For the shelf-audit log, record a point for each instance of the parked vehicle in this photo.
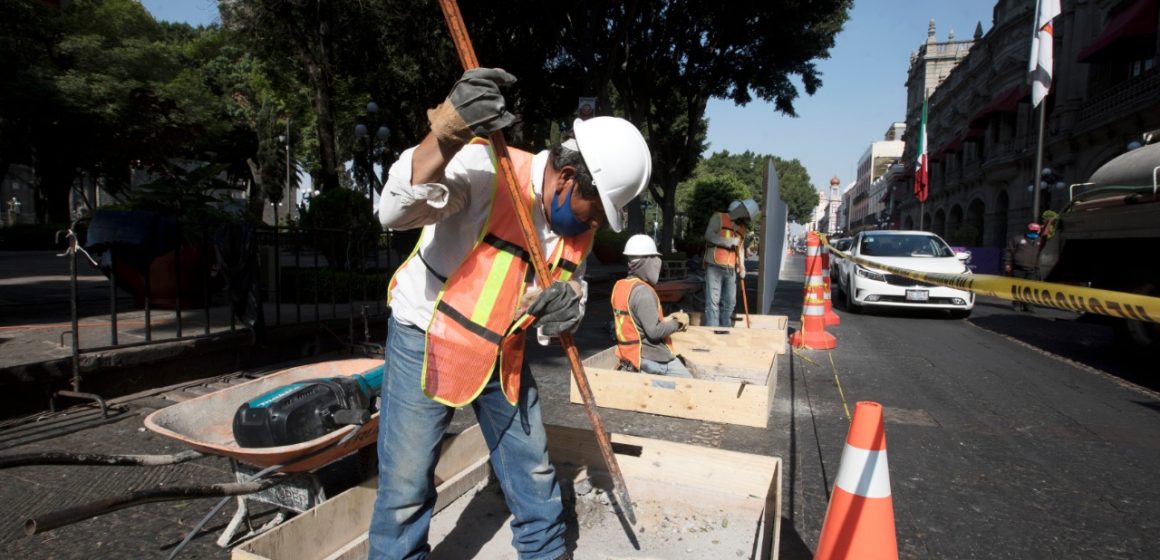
(913, 250)
(842, 245)
(1101, 238)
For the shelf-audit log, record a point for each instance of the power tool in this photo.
(308, 409)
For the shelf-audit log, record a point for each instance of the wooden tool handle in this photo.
(467, 57)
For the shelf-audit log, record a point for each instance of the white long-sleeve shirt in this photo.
(451, 214)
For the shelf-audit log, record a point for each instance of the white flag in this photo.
(1042, 42)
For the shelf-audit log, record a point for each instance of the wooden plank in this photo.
(730, 473)
(335, 524)
(731, 402)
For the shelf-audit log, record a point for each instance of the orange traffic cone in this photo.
(812, 333)
(832, 318)
(860, 518)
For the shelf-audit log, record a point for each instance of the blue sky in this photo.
(863, 83)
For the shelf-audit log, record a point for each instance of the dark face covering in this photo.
(564, 221)
(646, 268)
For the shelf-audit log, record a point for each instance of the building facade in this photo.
(867, 200)
(982, 130)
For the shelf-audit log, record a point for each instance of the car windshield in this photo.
(915, 245)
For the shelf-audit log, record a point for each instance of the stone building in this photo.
(982, 131)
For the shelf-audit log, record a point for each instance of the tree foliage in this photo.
(100, 86)
(712, 194)
(747, 168)
(797, 191)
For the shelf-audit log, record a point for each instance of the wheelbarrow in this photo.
(205, 425)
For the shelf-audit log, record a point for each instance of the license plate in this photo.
(917, 295)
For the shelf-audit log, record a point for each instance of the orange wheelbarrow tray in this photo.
(206, 422)
(672, 292)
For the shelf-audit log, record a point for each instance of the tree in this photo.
(797, 191)
(747, 168)
(676, 55)
(711, 194)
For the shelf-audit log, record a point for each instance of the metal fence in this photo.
(212, 281)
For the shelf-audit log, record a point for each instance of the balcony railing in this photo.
(1121, 99)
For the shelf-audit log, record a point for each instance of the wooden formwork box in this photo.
(739, 386)
(748, 485)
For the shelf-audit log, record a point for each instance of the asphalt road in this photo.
(1003, 442)
(1006, 435)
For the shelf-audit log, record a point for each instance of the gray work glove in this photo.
(475, 107)
(732, 242)
(557, 309)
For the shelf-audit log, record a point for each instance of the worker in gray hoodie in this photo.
(642, 334)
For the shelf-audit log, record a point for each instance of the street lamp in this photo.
(13, 208)
(1048, 180)
(376, 146)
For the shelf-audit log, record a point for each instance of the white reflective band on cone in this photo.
(818, 280)
(813, 310)
(864, 473)
(813, 251)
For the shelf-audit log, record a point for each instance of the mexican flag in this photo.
(920, 164)
(1042, 59)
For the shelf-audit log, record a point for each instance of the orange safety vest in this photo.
(474, 323)
(721, 256)
(628, 337)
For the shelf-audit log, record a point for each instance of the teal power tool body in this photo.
(308, 409)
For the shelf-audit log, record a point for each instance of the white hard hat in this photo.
(641, 245)
(618, 159)
(743, 209)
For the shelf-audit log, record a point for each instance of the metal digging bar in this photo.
(467, 57)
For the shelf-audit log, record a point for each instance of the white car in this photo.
(913, 250)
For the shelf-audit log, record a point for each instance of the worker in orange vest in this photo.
(464, 301)
(642, 334)
(724, 245)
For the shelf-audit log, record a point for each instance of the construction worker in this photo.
(724, 243)
(463, 301)
(642, 334)
(1021, 259)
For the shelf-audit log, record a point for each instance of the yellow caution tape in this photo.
(1046, 294)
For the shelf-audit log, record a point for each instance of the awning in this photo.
(1132, 29)
(953, 145)
(1005, 102)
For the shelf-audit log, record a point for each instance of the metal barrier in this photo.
(302, 276)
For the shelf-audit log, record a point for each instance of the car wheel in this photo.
(851, 306)
(960, 313)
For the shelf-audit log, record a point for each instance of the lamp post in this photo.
(376, 146)
(1047, 180)
(285, 138)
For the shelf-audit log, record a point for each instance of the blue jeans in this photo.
(674, 368)
(720, 295)
(411, 427)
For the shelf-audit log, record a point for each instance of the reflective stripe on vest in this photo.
(721, 256)
(474, 312)
(628, 337)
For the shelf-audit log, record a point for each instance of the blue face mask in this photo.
(1032, 235)
(564, 222)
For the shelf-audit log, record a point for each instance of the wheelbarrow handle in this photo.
(65, 458)
(57, 519)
